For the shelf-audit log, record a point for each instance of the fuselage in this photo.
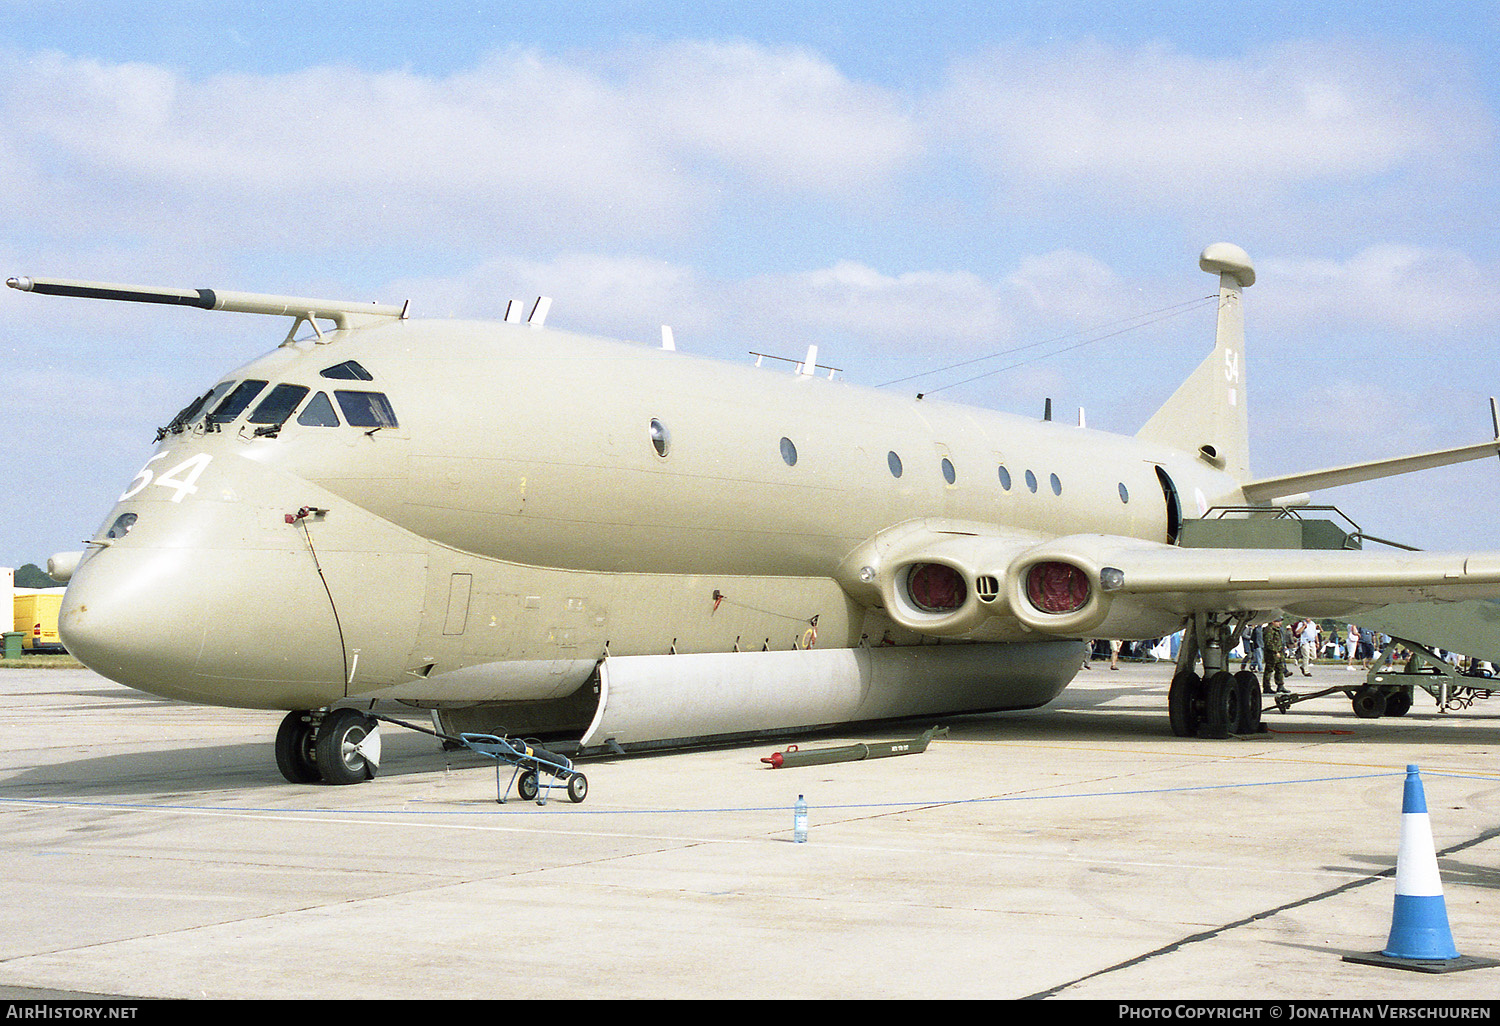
(462, 512)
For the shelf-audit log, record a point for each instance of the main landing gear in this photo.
(1220, 702)
(336, 746)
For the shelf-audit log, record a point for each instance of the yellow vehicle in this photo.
(36, 618)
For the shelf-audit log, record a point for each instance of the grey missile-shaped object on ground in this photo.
(793, 756)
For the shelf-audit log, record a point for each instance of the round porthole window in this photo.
(894, 462)
(661, 439)
(1005, 479)
(1124, 493)
(1056, 485)
(1030, 481)
(789, 452)
(949, 474)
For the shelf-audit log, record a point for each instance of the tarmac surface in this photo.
(151, 849)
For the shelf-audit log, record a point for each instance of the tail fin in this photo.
(1207, 412)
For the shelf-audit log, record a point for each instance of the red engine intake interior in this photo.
(1057, 587)
(936, 588)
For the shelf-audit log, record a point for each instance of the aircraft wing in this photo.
(997, 586)
(1472, 628)
(1131, 582)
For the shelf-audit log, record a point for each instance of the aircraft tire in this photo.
(1221, 705)
(578, 788)
(527, 786)
(341, 731)
(1249, 718)
(294, 749)
(1182, 704)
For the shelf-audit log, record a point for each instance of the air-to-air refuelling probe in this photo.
(531, 531)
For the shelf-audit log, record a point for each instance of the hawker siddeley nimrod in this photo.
(535, 532)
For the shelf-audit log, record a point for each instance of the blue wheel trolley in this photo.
(537, 771)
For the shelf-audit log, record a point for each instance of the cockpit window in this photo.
(349, 370)
(278, 406)
(318, 413)
(235, 402)
(366, 409)
(192, 411)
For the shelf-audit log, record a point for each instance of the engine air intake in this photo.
(1054, 587)
(935, 587)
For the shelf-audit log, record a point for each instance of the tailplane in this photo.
(1207, 413)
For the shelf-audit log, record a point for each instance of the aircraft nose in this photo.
(215, 626)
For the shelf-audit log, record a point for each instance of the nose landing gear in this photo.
(340, 746)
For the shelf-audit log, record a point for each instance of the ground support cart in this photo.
(1388, 692)
(536, 770)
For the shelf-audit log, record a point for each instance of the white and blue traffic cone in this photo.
(1420, 937)
(1419, 923)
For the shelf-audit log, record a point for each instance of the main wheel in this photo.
(1249, 719)
(526, 785)
(294, 749)
(1221, 704)
(1182, 704)
(578, 787)
(348, 747)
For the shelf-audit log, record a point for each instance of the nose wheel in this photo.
(339, 747)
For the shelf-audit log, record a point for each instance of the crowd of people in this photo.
(1268, 649)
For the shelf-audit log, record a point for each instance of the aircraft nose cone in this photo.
(219, 627)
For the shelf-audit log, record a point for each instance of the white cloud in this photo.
(1159, 127)
(521, 145)
(1400, 287)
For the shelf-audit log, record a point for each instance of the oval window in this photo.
(1005, 479)
(1030, 480)
(1056, 485)
(1124, 493)
(661, 440)
(949, 474)
(789, 452)
(894, 462)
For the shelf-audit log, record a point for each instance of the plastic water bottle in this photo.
(799, 820)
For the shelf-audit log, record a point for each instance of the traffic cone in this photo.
(1419, 923)
(1420, 938)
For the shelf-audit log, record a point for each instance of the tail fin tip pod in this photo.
(1207, 413)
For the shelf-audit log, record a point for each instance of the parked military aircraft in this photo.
(528, 530)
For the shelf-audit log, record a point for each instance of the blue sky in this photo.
(905, 186)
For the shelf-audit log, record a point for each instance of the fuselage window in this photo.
(949, 474)
(1030, 480)
(278, 406)
(347, 371)
(318, 413)
(894, 462)
(366, 409)
(1124, 492)
(235, 402)
(1005, 479)
(789, 452)
(661, 439)
(1056, 485)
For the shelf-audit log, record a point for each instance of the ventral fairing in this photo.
(530, 531)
